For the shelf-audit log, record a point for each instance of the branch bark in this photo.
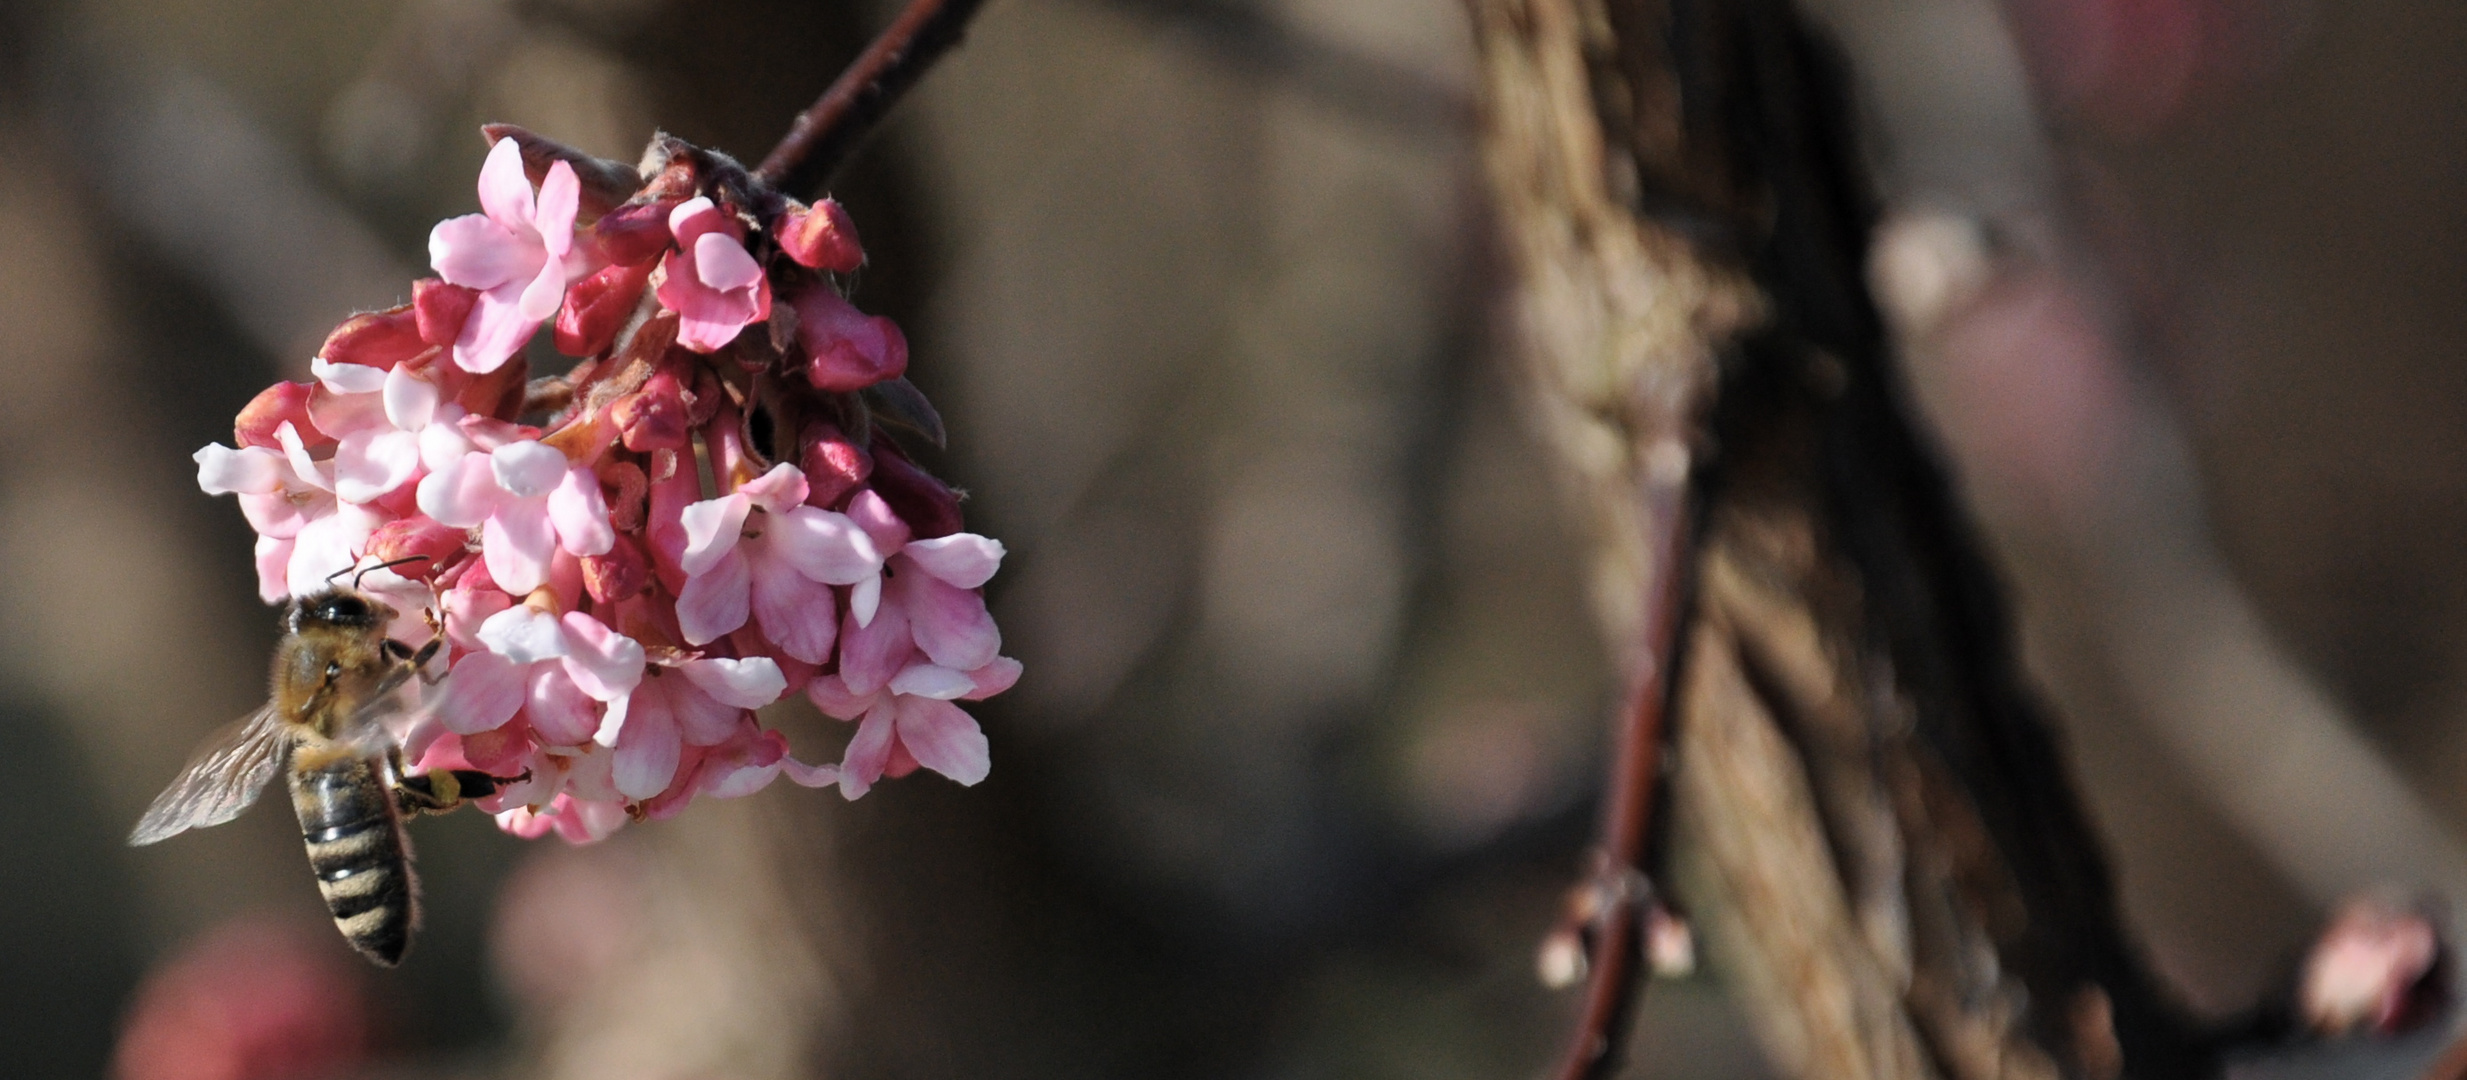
(1902, 876)
(824, 135)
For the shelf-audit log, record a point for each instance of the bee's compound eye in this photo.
(333, 669)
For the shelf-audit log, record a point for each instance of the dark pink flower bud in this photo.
(417, 537)
(635, 232)
(597, 306)
(378, 339)
(279, 404)
(833, 466)
(440, 309)
(928, 505)
(620, 574)
(822, 237)
(846, 349)
(655, 416)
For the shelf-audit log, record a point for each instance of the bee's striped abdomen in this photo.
(355, 844)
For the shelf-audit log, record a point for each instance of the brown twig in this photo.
(823, 135)
(1619, 881)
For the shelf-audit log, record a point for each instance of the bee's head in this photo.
(340, 608)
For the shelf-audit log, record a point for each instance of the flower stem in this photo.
(824, 135)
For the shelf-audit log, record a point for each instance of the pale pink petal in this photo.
(580, 513)
(338, 415)
(606, 664)
(476, 253)
(496, 329)
(865, 599)
(830, 693)
(648, 748)
(721, 262)
(712, 528)
(545, 291)
(442, 442)
(522, 822)
(797, 614)
(875, 516)
(735, 779)
(560, 197)
(715, 602)
(253, 470)
(466, 610)
(778, 491)
(369, 465)
(750, 683)
(517, 542)
(951, 625)
(589, 822)
(560, 712)
(527, 470)
(701, 720)
(692, 218)
(273, 568)
(993, 678)
(944, 738)
(524, 635)
(410, 401)
(822, 545)
(505, 193)
(273, 514)
(812, 776)
(965, 560)
(324, 547)
(479, 694)
(706, 319)
(869, 752)
(347, 378)
(869, 655)
(307, 470)
(462, 494)
(932, 681)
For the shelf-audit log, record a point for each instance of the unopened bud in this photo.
(597, 306)
(2373, 970)
(417, 538)
(928, 505)
(653, 417)
(1560, 962)
(439, 308)
(822, 237)
(833, 466)
(279, 404)
(846, 349)
(622, 573)
(1669, 945)
(378, 339)
(635, 232)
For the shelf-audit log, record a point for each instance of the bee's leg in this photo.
(438, 791)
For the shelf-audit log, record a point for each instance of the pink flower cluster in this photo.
(706, 515)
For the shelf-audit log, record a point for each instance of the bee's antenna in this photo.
(355, 578)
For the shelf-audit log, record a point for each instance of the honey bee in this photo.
(337, 677)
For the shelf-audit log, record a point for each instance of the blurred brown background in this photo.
(1307, 744)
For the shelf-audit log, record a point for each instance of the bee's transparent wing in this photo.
(226, 775)
(373, 728)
